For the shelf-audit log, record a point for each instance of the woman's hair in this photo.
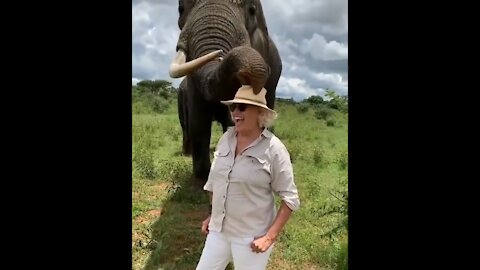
(266, 118)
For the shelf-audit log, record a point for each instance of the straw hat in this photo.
(245, 95)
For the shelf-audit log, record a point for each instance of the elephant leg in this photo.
(187, 144)
(222, 115)
(183, 117)
(200, 123)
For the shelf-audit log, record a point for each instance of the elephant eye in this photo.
(251, 10)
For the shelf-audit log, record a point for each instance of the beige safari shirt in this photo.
(243, 187)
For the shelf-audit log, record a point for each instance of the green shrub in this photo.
(330, 122)
(319, 155)
(314, 100)
(342, 160)
(143, 162)
(159, 105)
(294, 150)
(339, 207)
(302, 108)
(323, 112)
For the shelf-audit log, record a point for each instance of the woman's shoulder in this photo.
(276, 144)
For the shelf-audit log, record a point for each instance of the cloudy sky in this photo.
(311, 36)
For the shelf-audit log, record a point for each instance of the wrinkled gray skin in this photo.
(249, 57)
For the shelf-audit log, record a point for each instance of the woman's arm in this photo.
(263, 243)
(281, 219)
(207, 220)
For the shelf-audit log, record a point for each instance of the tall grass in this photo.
(314, 238)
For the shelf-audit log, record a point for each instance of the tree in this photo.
(314, 100)
(337, 102)
(156, 86)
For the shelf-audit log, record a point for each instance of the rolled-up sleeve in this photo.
(283, 179)
(209, 185)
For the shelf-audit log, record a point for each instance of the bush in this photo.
(342, 160)
(323, 112)
(294, 150)
(158, 104)
(302, 108)
(338, 207)
(143, 162)
(337, 102)
(314, 100)
(330, 122)
(152, 96)
(319, 155)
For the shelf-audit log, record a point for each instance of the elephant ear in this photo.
(247, 78)
(184, 8)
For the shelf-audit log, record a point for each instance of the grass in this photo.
(167, 214)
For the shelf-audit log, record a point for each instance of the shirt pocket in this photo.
(259, 171)
(221, 164)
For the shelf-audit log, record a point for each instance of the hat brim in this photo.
(246, 101)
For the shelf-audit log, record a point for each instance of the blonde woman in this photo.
(250, 166)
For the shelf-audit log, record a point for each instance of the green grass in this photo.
(167, 214)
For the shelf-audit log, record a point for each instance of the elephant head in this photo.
(222, 45)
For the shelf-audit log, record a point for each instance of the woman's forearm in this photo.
(281, 219)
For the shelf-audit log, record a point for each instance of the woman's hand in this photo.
(261, 244)
(205, 225)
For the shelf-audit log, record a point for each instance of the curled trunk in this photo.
(217, 31)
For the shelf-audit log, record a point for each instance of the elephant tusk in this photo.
(178, 67)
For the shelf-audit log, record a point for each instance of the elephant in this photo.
(223, 44)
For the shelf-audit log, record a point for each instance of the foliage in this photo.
(152, 96)
(157, 87)
(302, 108)
(339, 207)
(314, 100)
(319, 156)
(323, 112)
(342, 160)
(285, 101)
(337, 102)
(142, 159)
(315, 237)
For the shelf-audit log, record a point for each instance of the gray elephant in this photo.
(223, 44)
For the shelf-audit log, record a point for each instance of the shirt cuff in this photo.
(292, 203)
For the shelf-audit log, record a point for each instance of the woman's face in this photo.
(245, 116)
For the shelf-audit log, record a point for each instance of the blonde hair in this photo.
(266, 118)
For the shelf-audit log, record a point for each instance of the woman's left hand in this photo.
(261, 244)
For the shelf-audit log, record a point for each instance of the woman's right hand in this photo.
(205, 225)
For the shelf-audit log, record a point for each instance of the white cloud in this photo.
(320, 49)
(333, 81)
(135, 81)
(296, 88)
(155, 35)
(312, 58)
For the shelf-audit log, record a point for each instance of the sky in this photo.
(311, 36)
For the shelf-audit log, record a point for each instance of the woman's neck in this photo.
(249, 135)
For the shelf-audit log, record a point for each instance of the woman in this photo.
(250, 164)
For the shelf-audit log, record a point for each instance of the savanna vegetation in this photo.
(167, 213)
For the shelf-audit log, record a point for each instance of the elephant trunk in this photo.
(242, 65)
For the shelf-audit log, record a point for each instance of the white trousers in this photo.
(220, 249)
